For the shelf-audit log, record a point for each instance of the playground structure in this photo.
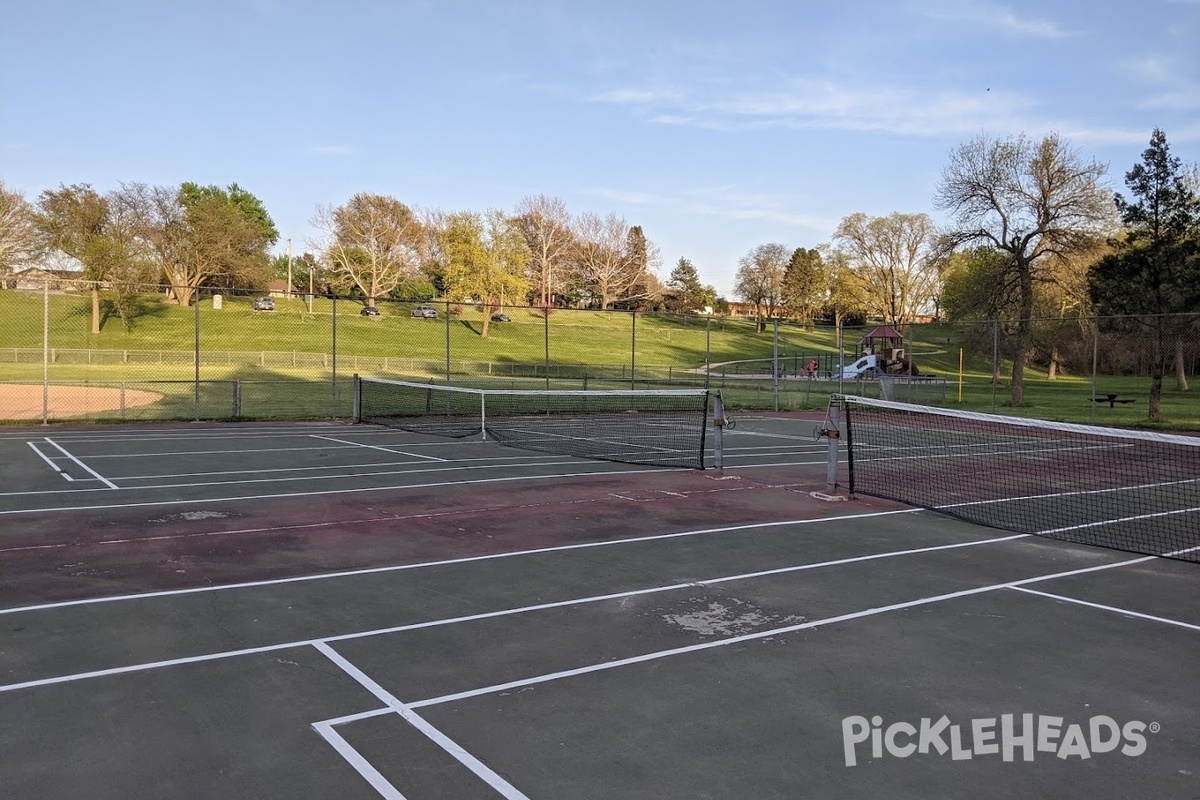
(881, 352)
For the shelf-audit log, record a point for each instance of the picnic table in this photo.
(1111, 399)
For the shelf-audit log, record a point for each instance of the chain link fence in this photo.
(233, 355)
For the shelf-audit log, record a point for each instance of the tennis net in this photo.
(1137, 491)
(655, 427)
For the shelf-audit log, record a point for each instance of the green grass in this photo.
(294, 347)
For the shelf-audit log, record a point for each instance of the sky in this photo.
(716, 127)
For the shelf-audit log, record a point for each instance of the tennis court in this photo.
(331, 610)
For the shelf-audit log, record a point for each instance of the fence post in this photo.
(196, 352)
(546, 340)
(633, 350)
(995, 360)
(1095, 367)
(775, 363)
(46, 351)
(333, 392)
(707, 351)
(485, 310)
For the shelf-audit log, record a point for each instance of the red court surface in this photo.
(323, 610)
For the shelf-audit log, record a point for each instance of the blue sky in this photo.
(714, 126)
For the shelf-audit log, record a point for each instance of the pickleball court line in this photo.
(377, 447)
(1125, 612)
(749, 637)
(320, 492)
(50, 461)
(463, 560)
(82, 465)
(452, 748)
(184, 660)
(356, 760)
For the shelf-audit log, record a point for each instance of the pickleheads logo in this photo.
(1003, 736)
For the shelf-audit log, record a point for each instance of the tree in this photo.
(641, 258)
(545, 224)
(898, 259)
(845, 294)
(684, 291)
(804, 284)
(485, 259)
(602, 265)
(20, 241)
(1155, 266)
(372, 243)
(1039, 203)
(759, 280)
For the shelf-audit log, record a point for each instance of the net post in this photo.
(483, 416)
(357, 412)
(832, 434)
(718, 428)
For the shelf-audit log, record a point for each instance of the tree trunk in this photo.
(1052, 371)
(1024, 336)
(1181, 381)
(1156, 378)
(95, 308)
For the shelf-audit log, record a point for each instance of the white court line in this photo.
(452, 561)
(356, 760)
(53, 466)
(1123, 611)
(1134, 518)
(319, 492)
(377, 447)
(748, 637)
(82, 465)
(1079, 493)
(452, 748)
(447, 621)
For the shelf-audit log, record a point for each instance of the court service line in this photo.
(748, 637)
(47, 459)
(447, 621)
(377, 447)
(454, 561)
(82, 465)
(452, 748)
(355, 759)
(1122, 611)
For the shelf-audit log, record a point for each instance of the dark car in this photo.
(498, 317)
(425, 312)
(369, 311)
(264, 304)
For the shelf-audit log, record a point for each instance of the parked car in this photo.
(369, 311)
(425, 312)
(498, 317)
(264, 304)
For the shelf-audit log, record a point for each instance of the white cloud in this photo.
(728, 202)
(998, 18)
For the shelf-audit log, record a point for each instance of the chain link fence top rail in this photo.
(232, 356)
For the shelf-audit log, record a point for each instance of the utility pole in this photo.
(290, 292)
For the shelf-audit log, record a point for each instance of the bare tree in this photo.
(1036, 202)
(20, 241)
(600, 262)
(372, 243)
(759, 280)
(898, 259)
(546, 225)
